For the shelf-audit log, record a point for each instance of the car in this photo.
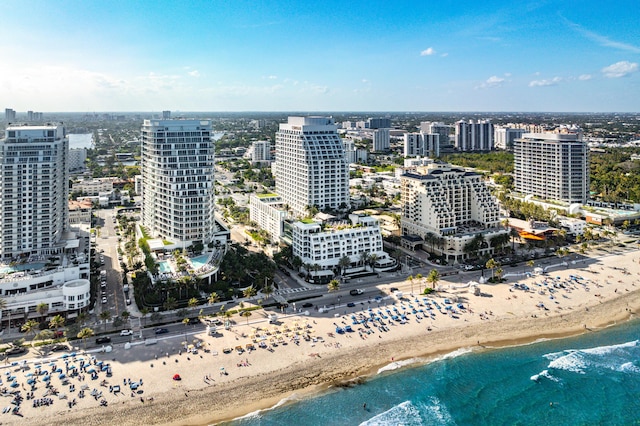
(307, 305)
(15, 350)
(126, 332)
(356, 292)
(128, 301)
(58, 333)
(104, 300)
(58, 348)
(101, 340)
(393, 289)
(351, 305)
(162, 330)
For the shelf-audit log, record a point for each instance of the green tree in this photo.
(333, 286)
(193, 302)
(170, 304)
(104, 316)
(492, 264)
(30, 327)
(249, 292)
(344, 263)
(56, 322)
(213, 298)
(84, 334)
(246, 314)
(267, 291)
(42, 309)
(433, 278)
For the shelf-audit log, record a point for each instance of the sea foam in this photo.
(611, 357)
(405, 414)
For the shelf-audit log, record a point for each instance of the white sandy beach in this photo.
(603, 291)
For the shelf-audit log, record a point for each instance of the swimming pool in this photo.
(23, 267)
(164, 267)
(199, 261)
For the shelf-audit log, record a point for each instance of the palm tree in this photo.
(249, 292)
(144, 311)
(363, 257)
(246, 314)
(104, 316)
(170, 304)
(213, 298)
(56, 322)
(42, 309)
(373, 258)
(267, 290)
(82, 317)
(410, 279)
(193, 302)
(30, 327)
(334, 285)
(433, 278)
(84, 334)
(344, 263)
(419, 278)
(492, 264)
(125, 315)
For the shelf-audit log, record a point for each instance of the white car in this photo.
(126, 332)
(104, 300)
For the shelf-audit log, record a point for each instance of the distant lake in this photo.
(84, 140)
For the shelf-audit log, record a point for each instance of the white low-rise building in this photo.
(94, 186)
(321, 246)
(268, 212)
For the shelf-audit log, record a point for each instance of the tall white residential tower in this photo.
(35, 187)
(178, 180)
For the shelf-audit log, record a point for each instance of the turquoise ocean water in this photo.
(593, 379)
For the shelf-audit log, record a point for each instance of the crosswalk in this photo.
(291, 290)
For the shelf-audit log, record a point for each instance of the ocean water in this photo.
(593, 379)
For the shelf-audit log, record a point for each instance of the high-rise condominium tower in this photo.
(310, 167)
(178, 180)
(34, 186)
(552, 166)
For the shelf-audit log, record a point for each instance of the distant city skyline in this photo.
(332, 56)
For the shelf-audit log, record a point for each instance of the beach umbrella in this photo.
(61, 376)
(45, 378)
(31, 381)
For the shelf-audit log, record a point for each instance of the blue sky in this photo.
(320, 55)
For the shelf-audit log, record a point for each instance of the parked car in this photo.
(104, 300)
(58, 348)
(351, 305)
(126, 332)
(356, 292)
(393, 289)
(307, 305)
(162, 330)
(15, 350)
(101, 340)
(128, 301)
(58, 333)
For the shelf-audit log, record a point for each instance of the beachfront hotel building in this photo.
(552, 166)
(444, 208)
(311, 168)
(42, 260)
(321, 246)
(178, 181)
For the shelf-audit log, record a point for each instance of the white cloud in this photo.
(273, 77)
(444, 55)
(546, 82)
(365, 81)
(493, 81)
(620, 69)
(428, 52)
(194, 73)
(585, 77)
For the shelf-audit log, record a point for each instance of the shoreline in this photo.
(295, 372)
